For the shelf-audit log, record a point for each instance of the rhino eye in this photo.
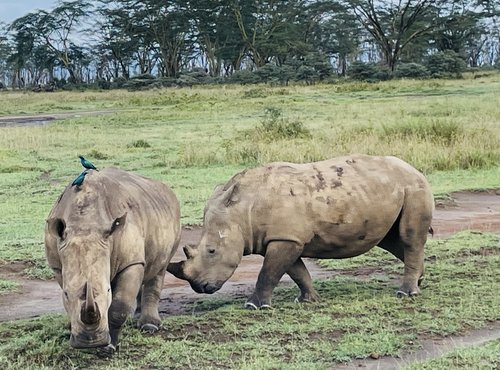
(211, 250)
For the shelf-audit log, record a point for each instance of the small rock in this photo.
(374, 355)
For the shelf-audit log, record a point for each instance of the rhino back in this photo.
(152, 221)
(346, 200)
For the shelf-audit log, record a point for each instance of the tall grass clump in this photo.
(275, 138)
(430, 145)
(276, 127)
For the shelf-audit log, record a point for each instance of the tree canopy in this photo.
(85, 41)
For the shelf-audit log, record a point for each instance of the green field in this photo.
(357, 317)
(194, 139)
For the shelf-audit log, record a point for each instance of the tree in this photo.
(273, 29)
(394, 24)
(54, 29)
(463, 29)
(6, 49)
(335, 33)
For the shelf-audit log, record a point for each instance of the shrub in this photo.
(118, 82)
(139, 144)
(307, 74)
(275, 127)
(244, 77)
(411, 70)
(96, 154)
(369, 72)
(103, 84)
(445, 64)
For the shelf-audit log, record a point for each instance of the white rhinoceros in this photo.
(337, 208)
(109, 241)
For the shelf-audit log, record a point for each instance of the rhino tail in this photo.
(431, 231)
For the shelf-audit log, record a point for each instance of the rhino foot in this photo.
(107, 351)
(254, 307)
(401, 294)
(251, 306)
(149, 328)
(308, 298)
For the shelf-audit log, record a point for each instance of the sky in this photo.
(12, 9)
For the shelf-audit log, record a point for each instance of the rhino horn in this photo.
(90, 313)
(231, 195)
(189, 250)
(177, 269)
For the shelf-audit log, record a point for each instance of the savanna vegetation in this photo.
(195, 138)
(152, 43)
(359, 316)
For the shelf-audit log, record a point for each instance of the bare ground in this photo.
(463, 211)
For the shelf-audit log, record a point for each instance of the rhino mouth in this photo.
(89, 340)
(206, 288)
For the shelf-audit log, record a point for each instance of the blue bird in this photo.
(79, 180)
(87, 164)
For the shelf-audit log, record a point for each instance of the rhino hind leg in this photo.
(406, 241)
(300, 275)
(413, 227)
(148, 317)
(279, 258)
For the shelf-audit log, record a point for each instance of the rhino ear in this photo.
(231, 195)
(118, 224)
(56, 227)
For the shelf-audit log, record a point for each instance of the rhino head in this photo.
(83, 271)
(210, 263)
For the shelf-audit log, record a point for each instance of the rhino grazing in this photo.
(108, 242)
(337, 208)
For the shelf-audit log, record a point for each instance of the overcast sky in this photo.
(12, 9)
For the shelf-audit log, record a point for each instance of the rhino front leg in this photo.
(149, 319)
(280, 256)
(299, 273)
(126, 286)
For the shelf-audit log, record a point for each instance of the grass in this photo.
(357, 317)
(8, 286)
(194, 139)
(484, 357)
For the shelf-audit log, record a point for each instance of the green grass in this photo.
(8, 286)
(194, 139)
(484, 357)
(357, 317)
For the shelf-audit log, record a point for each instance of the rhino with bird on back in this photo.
(338, 208)
(108, 242)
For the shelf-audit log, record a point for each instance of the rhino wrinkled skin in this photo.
(337, 208)
(108, 242)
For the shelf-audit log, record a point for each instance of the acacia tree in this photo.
(54, 29)
(216, 34)
(394, 24)
(273, 29)
(6, 49)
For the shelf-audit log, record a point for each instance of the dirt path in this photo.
(466, 210)
(39, 119)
